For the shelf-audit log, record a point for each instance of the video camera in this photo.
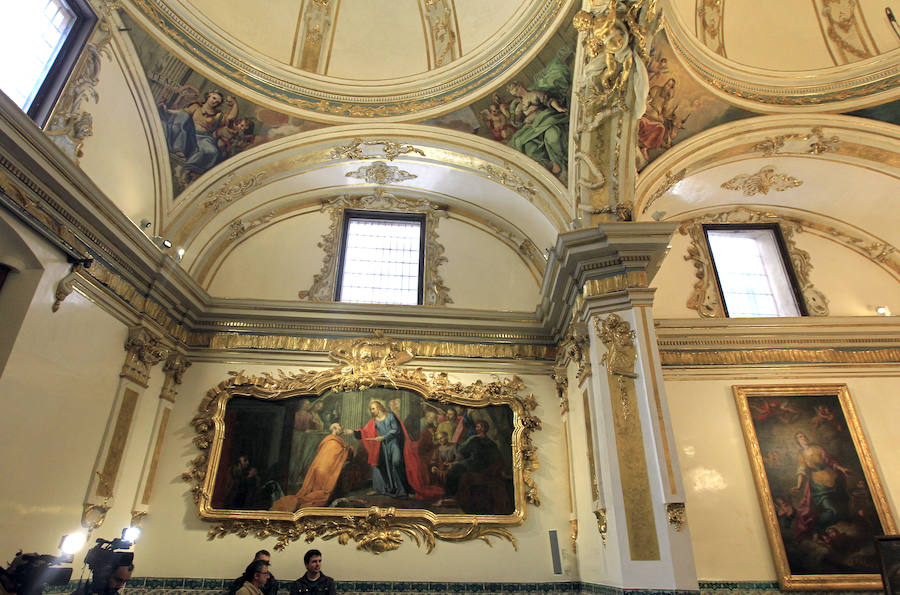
(28, 574)
(104, 558)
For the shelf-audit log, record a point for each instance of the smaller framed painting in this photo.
(889, 554)
(821, 497)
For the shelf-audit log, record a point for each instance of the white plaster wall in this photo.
(853, 284)
(484, 273)
(174, 541)
(55, 392)
(290, 255)
(727, 530)
(117, 157)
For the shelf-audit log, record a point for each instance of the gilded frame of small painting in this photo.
(367, 451)
(822, 500)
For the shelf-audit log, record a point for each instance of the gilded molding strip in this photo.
(709, 27)
(154, 462)
(743, 357)
(617, 282)
(860, 86)
(847, 40)
(665, 186)
(620, 359)
(761, 182)
(109, 474)
(421, 349)
(589, 434)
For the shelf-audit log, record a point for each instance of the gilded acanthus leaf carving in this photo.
(761, 182)
(359, 149)
(380, 173)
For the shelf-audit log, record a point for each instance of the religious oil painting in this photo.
(369, 451)
(821, 497)
(378, 447)
(889, 553)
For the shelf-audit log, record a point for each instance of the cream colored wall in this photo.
(55, 393)
(117, 157)
(482, 272)
(290, 255)
(853, 284)
(174, 541)
(723, 511)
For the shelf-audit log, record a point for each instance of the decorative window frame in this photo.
(435, 293)
(706, 298)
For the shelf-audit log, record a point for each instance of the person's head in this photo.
(442, 438)
(394, 404)
(801, 439)
(213, 98)
(451, 414)
(516, 88)
(670, 84)
(313, 561)
(257, 573)
(244, 125)
(263, 555)
(243, 461)
(482, 427)
(430, 417)
(120, 576)
(377, 408)
(336, 429)
(306, 405)
(317, 406)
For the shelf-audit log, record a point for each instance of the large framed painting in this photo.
(822, 500)
(889, 553)
(368, 451)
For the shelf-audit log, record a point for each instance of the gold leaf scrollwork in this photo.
(761, 182)
(357, 149)
(600, 513)
(820, 143)
(676, 516)
(380, 173)
(668, 184)
(621, 354)
(231, 190)
(507, 177)
(364, 363)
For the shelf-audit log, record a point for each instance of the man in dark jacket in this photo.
(313, 581)
(271, 585)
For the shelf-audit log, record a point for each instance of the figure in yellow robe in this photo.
(322, 475)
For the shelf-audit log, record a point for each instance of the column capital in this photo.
(143, 351)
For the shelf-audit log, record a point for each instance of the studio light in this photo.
(131, 534)
(72, 543)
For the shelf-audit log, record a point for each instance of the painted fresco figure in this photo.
(543, 126)
(190, 132)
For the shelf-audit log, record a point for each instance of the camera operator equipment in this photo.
(110, 568)
(28, 574)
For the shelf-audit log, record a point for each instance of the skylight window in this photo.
(41, 40)
(752, 271)
(382, 258)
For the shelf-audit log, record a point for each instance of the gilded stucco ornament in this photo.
(667, 184)
(676, 516)
(778, 145)
(709, 24)
(239, 227)
(363, 363)
(143, 351)
(761, 182)
(66, 285)
(617, 39)
(602, 526)
(436, 293)
(380, 173)
(232, 189)
(360, 149)
(621, 354)
(70, 123)
(705, 297)
(507, 177)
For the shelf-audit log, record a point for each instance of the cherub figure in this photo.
(496, 118)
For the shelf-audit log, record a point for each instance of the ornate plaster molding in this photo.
(436, 293)
(705, 298)
(710, 16)
(381, 173)
(761, 182)
(675, 515)
(143, 351)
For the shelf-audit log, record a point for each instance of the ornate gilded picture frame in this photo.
(821, 497)
(367, 451)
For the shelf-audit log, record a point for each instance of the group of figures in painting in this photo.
(381, 447)
(826, 514)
